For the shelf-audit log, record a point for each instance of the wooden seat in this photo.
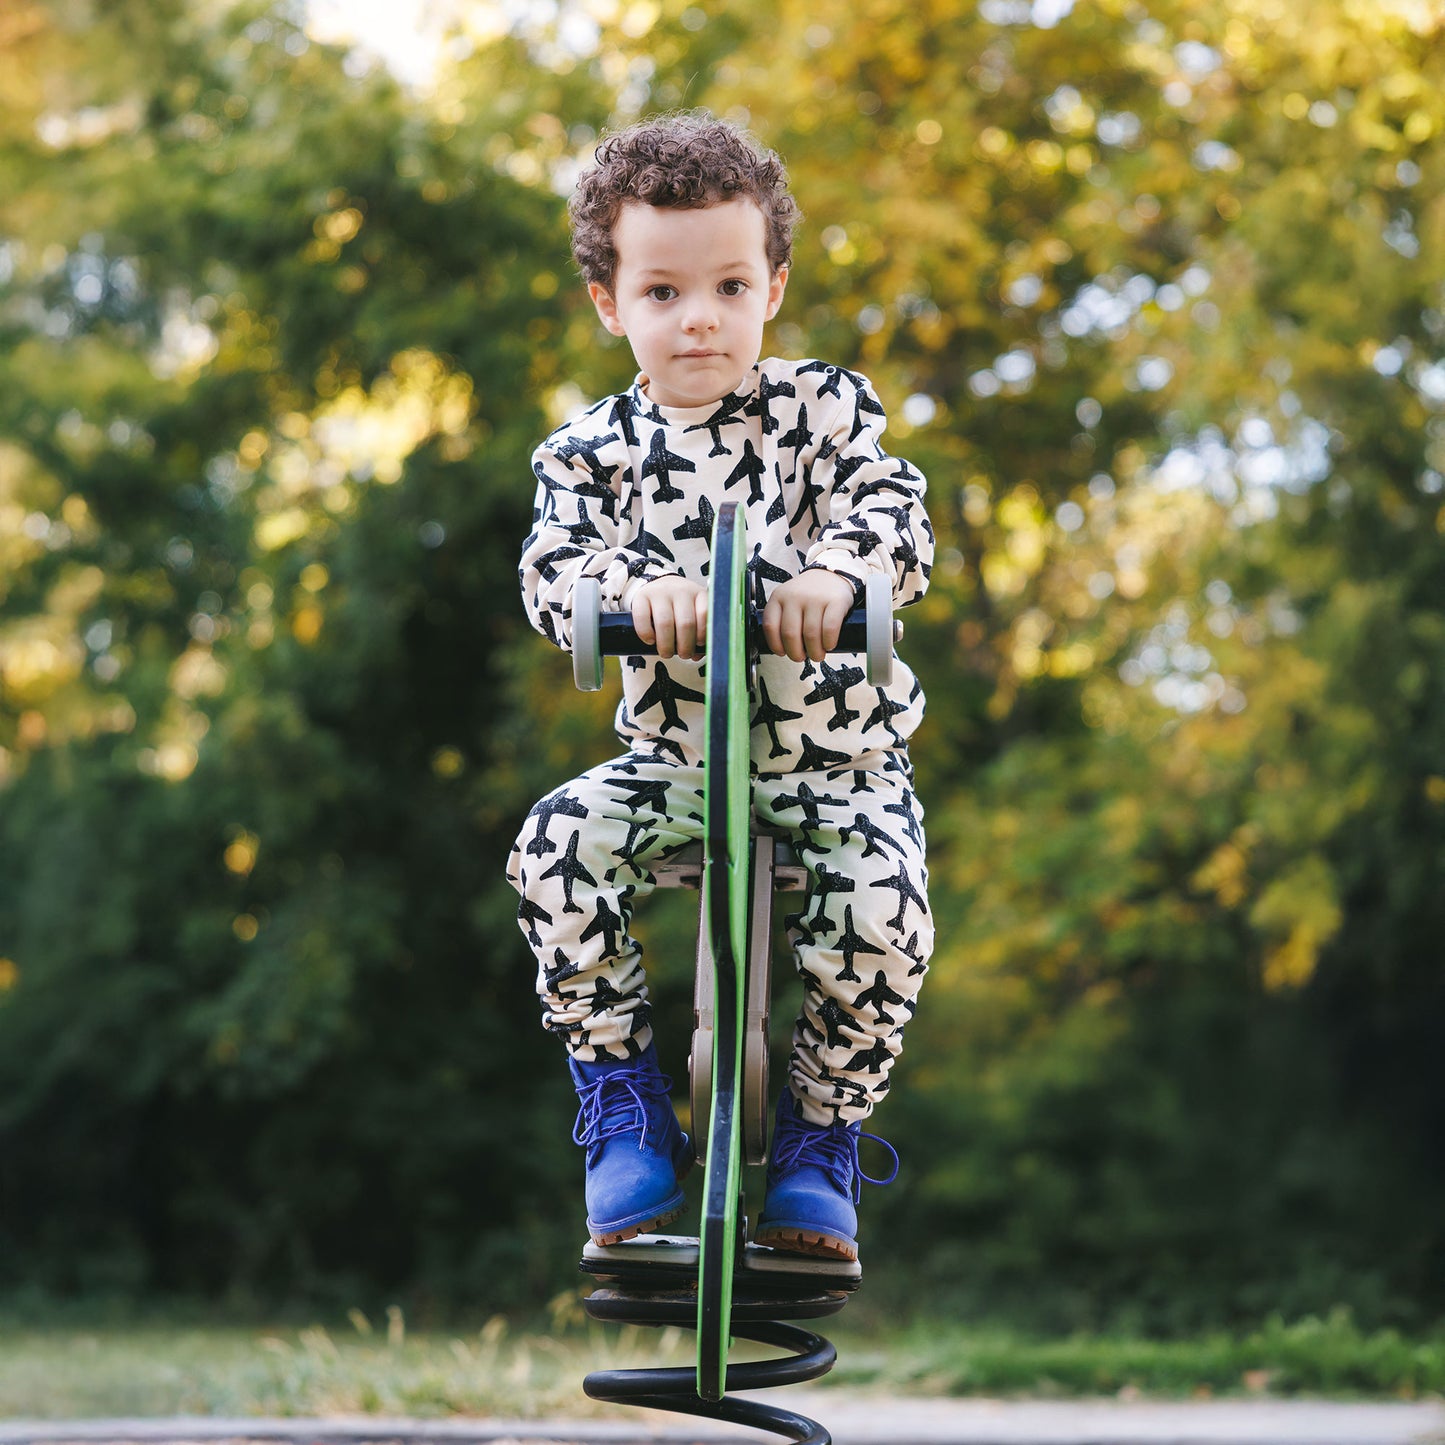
(776, 868)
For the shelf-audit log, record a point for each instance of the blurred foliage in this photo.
(1154, 296)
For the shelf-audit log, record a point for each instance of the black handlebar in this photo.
(618, 638)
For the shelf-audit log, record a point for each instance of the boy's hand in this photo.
(805, 613)
(671, 613)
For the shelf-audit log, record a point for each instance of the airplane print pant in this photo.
(861, 940)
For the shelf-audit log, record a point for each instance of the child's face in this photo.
(692, 292)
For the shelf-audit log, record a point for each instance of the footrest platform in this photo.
(667, 1261)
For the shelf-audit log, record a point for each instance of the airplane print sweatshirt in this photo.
(627, 492)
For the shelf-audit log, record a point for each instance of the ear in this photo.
(606, 308)
(776, 287)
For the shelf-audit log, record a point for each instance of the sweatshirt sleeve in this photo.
(580, 528)
(875, 519)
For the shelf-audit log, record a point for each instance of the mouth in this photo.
(697, 354)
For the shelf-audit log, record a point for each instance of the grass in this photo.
(360, 1366)
(57, 1372)
(1318, 1357)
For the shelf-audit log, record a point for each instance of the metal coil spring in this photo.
(675, 1388)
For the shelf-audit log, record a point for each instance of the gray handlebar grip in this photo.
(586, 634)
(878, 603)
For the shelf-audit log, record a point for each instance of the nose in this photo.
(700, 316)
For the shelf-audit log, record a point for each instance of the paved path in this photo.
(853, 1419)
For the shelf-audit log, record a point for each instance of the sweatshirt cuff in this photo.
(636, 583)
(845, 563)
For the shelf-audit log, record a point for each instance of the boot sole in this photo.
(807, 1241)
(631, 1231)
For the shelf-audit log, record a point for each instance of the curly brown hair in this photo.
(688, 160)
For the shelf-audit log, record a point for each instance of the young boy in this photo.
(683, 233)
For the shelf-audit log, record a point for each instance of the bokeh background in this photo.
(1153, 293)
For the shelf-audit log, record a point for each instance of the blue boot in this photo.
(636, 1150)
(813, 1184)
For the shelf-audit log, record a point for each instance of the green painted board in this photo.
(727, 813)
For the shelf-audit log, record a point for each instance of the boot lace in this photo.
(833, 1150)
(623, 1101)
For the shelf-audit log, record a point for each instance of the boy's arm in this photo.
(874, 519)
(577, 532)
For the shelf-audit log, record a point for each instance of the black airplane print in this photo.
(666, 692)
(661, 463)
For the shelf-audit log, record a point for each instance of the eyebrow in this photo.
(664, 274)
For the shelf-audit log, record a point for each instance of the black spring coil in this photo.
(675, 1388)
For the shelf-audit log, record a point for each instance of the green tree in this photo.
(1164, 282)
(1153, 295)
(277, 343)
